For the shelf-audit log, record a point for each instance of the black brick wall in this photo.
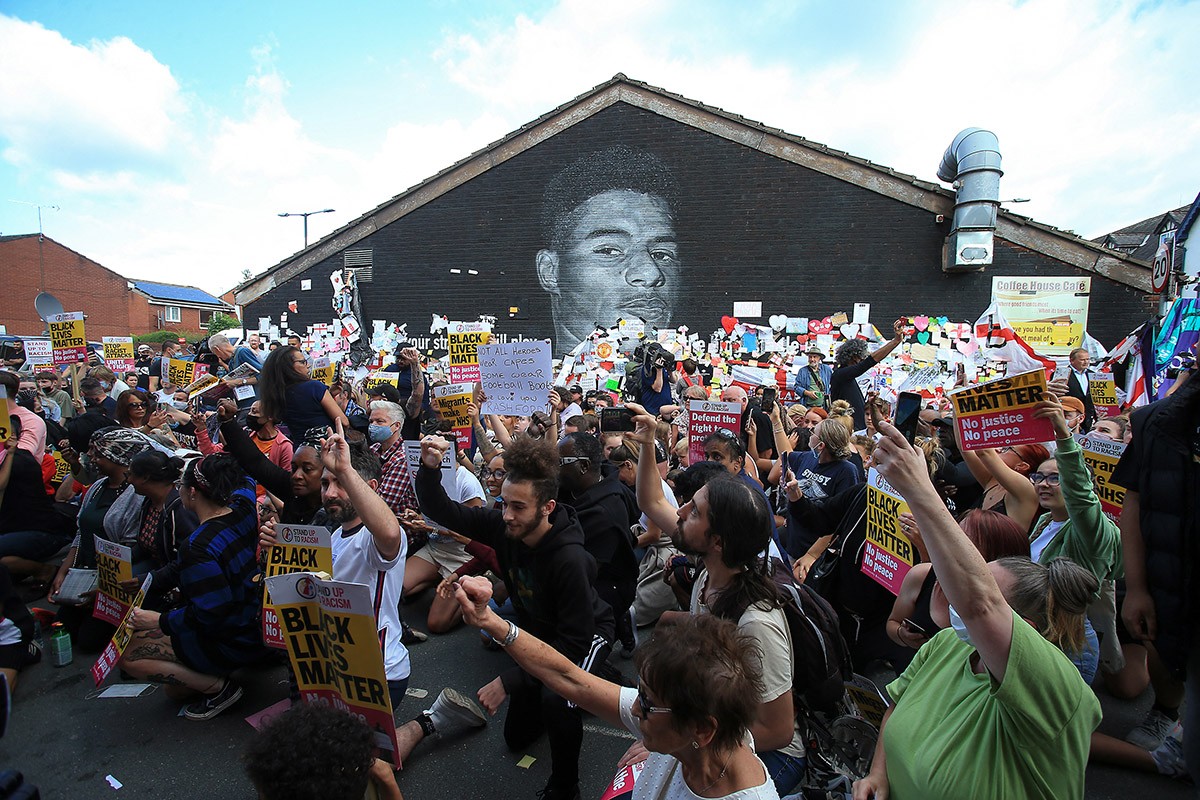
(750, 227)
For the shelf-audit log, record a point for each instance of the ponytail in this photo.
(1053, 597)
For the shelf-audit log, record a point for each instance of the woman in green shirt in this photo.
(989, 708)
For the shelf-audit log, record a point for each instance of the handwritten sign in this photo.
(297, 548)
(114, 564)
(888, 554)
(1102, 456)
(999, 413)
(1103, 391)
(464, 339)
(334, 647)
(118, 353)
(706, 417)
(67, 339)
(515, 377)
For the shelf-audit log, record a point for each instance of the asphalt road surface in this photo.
(68, 742)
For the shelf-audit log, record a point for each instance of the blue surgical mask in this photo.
(960, 627)
(106, 385)
(379, 433)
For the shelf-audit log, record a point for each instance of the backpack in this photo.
(820, 658)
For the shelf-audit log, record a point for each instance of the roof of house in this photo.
(176, 293)
(1062, 245)
(1140, 240)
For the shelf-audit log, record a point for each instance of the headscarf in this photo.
(120, 445)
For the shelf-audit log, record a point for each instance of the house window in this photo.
(171, 314)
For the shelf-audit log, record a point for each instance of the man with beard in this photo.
(550, 578)
(608, 223)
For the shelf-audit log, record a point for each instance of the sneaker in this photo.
(1169, 759)
(213, 704)
(410, 635)
(1152, 731)
(454, 710)
(551, 792)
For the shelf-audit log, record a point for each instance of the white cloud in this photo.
(78, 105)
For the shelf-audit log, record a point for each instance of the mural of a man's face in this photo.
(618, 260)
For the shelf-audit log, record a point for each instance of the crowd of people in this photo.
(573, 544)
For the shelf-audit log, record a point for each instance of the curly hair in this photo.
(851, 352)
(533, 461)
(311, 753)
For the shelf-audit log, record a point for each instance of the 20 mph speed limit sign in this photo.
(1164, 258)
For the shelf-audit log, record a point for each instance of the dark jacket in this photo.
(177, 525)
(1075, 389)
(1160, 465)
(605, 511)
(272, 477)
(551, 585)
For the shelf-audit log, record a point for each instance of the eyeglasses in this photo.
(1050, 480)
(644, 702)
(137, 405)
(495, 474)
(562, 462)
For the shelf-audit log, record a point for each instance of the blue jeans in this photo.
(32, 545)
(1089, 660)
(786, 771)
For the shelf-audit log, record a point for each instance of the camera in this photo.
(653, 355)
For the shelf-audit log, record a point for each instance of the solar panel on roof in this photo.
(180, 294)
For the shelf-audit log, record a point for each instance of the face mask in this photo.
(106, 385)
(254, 423)
(179, 405)
(379, 433)
(47, 391)
(960, 627)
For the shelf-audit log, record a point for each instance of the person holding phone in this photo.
(821, 471)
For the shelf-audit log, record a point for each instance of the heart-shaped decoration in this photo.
(802, 338)
(778, 321)
(906, 358)
(923, 337)
(967, 347)
(921, 323)
(942, 321)
(849, 330)
(820, 326)
(729, 323)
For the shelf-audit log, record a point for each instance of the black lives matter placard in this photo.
(999, 413)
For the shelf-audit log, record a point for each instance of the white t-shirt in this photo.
(572, 410)
(667, 493)
(466, 487)
(356, 559)
(1044, 538)
(661, 777)
(769, 629)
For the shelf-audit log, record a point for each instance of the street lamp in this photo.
(306, 215)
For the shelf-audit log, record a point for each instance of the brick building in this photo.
(758, 215)
(114, 305)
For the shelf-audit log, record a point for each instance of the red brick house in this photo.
(114, 304)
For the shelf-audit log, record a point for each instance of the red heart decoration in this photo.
(820, 326)
(728, 323)
(802, 339)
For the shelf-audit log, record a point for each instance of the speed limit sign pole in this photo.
(1160, 275)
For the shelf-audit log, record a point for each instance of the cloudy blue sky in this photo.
(170, 135)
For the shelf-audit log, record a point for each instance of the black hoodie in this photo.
(606, 509)
(551, 585)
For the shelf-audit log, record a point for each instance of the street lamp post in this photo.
(306, 215)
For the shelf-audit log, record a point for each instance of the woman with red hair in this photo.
(1004, 476)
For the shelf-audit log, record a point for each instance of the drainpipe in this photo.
(972, 164)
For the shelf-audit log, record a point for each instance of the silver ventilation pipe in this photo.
(972, 164)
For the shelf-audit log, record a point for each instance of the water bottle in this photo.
(60, 645)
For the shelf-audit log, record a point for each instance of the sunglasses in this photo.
(1038, 478)
(644, 702)
(137, 405)
(724, 433)
(562, 462)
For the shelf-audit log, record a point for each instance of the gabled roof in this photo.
(176, 293)
(1058, 244)
(1140, 240)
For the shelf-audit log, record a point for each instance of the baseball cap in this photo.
(1073, 404)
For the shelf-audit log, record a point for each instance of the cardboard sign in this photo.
(114, 564)
(464, 339)
(40, 355)
(297, 548)
(515, 377)
(452, 400)
(333, 643)
(118, 354)
(888, 554)
(622, 784)
(1103, 391)
(183, 373)
(377, 378)
(120, 640)
(707, 416)
(999, 413)
(61, 469)
(67, 339)
(1102, 456)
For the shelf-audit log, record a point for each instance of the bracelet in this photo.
(513, 632)
(778, 430)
